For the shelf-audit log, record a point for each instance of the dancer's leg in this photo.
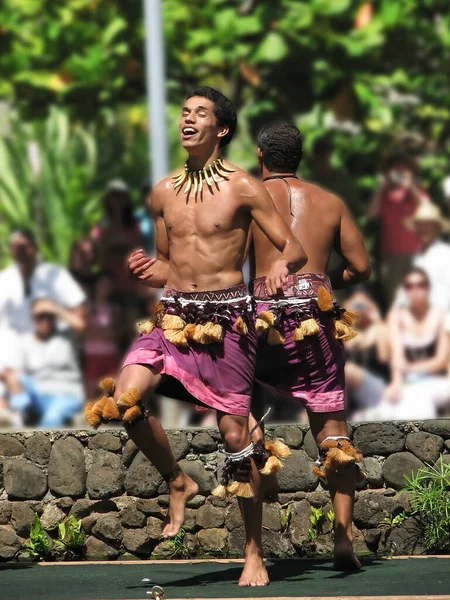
(342, 490)
(236, 436)
(151, 439)
(269, 483)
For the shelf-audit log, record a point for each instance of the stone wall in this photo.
(102, 479)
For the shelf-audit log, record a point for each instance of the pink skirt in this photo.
(218, 375)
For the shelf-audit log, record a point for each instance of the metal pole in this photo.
(156, 89)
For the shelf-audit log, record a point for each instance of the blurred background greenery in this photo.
(72, 93)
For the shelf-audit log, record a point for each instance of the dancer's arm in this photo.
(349, 244)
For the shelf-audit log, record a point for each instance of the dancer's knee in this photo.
(236, 437)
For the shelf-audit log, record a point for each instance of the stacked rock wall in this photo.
(102, 479)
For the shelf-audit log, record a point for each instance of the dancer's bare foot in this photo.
(181, 489)
(254, 573)
(344, 557)
(269, 487)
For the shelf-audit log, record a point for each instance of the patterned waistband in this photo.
(301, 286)
(238, 293)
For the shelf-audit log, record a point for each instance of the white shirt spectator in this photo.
(47, 281)
(52, 363)
(435, 261)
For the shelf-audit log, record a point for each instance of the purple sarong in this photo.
(312, 369)
(217, 375)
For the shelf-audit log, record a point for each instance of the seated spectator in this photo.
(366, 370)
(29, 278)
(48, 381)
(397, 198)
(420, 354)
(101, 349)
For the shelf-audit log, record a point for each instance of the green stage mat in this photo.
(289, 579)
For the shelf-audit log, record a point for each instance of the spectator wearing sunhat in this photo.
(429, 224)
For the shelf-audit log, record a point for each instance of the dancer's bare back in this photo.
(203, 240)
(321, 221)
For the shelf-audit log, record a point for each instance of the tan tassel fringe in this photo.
(200, 336)
(267, 316)
(261, 325)
(146, 326)
(298, 336)
(130, 398)
(274, 337)
(343, 332)
(111, 411)
(242, 490)
(241, 326)
(220, 492)
(278, 449)
(108, 385)
(176, 337)
(272, 466)
(349, 317)
(309, 327)
(189, 331)
(324, 299)
(132, 413)
(92, 417)
(339, 455)
(172, 322)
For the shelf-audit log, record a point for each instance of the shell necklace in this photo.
(210, 174)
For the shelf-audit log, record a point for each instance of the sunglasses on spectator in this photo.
(43, 315)
(419, 285)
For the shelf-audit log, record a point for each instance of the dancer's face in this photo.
(199, 130)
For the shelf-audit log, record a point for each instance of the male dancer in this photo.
(298, 353)
(203, 338)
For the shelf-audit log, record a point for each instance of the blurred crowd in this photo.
(62, 330)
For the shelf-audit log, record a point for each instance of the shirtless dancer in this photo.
(311, 368)
(203, 339)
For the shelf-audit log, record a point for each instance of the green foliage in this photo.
(53, 174)
(39, 545)
(70, 533)
(371, 84)
(393, 520)
(178, 546)
(430, 492)
(285, 516)
(331, 518)
(316, 518)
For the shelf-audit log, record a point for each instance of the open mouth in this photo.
(188, 132)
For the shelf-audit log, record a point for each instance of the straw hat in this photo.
(428, 212)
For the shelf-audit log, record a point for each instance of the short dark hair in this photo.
(281, 145)
(26, 233)
(224, 110)
(400, 157)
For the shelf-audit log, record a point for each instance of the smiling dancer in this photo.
(202, 338)
(300, 352)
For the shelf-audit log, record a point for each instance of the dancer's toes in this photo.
(254, 573)
(182, 489)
